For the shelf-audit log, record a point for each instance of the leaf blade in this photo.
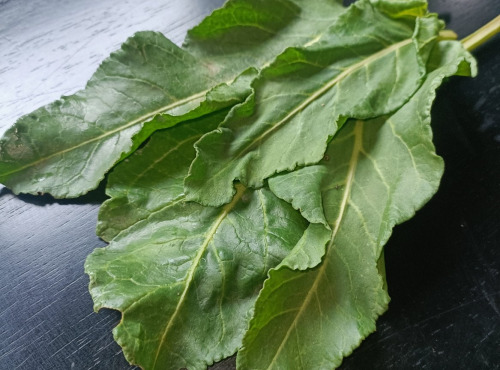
(183, 275)
(66, 147)
(389, 169)
(305, 96)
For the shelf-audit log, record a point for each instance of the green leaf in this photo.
(375, 174)
(153, 177)
(368, 63)
(66, 147)
(184, 276)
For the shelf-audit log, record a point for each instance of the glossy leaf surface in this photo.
(368, 63)
(375, 174)
(66, 147)
(184, 276)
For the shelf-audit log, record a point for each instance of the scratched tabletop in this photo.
(443, 266)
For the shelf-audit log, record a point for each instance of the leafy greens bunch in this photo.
(257, 173)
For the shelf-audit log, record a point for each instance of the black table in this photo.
(443, 266)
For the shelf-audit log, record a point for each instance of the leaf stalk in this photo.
(483, 34)
(447, 35)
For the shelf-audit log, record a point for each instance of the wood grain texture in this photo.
(443, 266)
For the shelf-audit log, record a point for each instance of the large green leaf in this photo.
(184, 276)
(66, 147)
(375, 174)
(368, 63)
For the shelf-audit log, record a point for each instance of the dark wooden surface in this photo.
(443, 267)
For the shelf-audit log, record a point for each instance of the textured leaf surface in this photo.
(152, 178)
(368, 63)
(66, 147)
(183, 275)
(375, 174)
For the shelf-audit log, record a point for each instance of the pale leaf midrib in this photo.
(358, 130)
(190, 273)
(140, 119)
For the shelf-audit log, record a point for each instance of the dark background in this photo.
(443, 266)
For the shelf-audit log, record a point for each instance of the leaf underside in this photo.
(367, 64)
(375, 174)
(183, 275)
(66, 147)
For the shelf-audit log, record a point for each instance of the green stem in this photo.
(482, 35)
(447, 35)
